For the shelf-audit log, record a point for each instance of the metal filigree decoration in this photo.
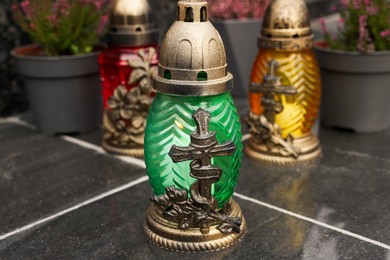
(263, 127)
(201, 210)
(125, 120)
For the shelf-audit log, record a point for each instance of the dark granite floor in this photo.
(60, 200)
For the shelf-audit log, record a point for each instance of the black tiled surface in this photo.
(355, 190)
(40, 175)
(112, 228)
(370, 146)
(347, 188)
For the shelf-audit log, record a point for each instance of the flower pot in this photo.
(240, 39)
(64, 91)
(356, 89)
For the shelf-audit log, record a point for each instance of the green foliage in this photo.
(62, 27)
(364, 26)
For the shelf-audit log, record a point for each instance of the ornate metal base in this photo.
(134, 151)
(308, 148)
(166, 234)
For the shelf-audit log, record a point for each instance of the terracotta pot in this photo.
(240, 40)
(356, 89)
(64, 91)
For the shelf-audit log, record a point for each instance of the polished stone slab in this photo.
(352, 188)
(347, 188)
(112, 229)
(40, 175)
(369, 146)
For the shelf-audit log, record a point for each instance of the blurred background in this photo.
(12, 94)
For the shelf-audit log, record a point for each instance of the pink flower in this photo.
(345, 3)
(365, 42)
(53, 19)
(61, 7)
(102, 24)
(97, 3)
(33, 26)
(333, 8)
(385, 33)
(357, 4)
(340, 24)
(372, 10)
(237, 9)
(324, 28)
(25, 5)
(14, 6)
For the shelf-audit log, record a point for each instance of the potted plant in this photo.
(239, 24)
(355, 67)
(60, 72)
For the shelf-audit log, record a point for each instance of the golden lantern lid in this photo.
(132, 23)
(192, 57)
(286, 26)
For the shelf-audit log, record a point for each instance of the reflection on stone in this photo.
(318, 247)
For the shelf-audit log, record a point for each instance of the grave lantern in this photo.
(193, 143)
(285, 88)
(126, 70)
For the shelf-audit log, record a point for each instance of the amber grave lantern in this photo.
(285, 89)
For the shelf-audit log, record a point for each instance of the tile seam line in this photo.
(126, 159)
(313, 221)
(145, 178)
(17, 121)
(98, 149)
(75, 207)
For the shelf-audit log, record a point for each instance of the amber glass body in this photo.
(298, 69)
(115, 69)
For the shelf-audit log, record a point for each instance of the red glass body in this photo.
(115, 69)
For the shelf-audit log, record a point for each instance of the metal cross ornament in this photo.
(263, 127)
(202, 148)
(270, 88)
(201, 209)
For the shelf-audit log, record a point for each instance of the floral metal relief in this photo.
(125, 120)
(263, 127)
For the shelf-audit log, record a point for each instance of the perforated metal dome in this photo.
(132, 23)
(286, 26)
(193, 57)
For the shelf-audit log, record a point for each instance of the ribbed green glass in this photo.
(170, 122)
